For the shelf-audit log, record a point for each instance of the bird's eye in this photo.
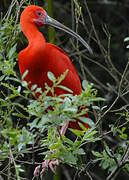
(39, 13)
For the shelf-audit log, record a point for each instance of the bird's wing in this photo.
(59, 62)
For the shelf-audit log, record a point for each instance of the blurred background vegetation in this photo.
(104, 24)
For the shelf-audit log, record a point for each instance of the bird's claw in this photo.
(51, 163)
(47, 163)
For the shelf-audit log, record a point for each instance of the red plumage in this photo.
(39, 57)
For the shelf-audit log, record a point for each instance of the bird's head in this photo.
(38, 17)
(33, 15)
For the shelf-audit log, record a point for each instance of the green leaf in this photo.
(25, 74)
(97, 154)
(1, 56)
(65, 88)
(54, 146)
(87, 120)
(70, 158)
(45, 120)
(85, 84)
(99, 99)
(126, 39)
(33, 124)
(72, 110)
(19, 115)
(19, 89)
(12, 51)
(89, 135)
(2, 77)
(96, 107)
(39, 90)
(20, 146)
(82, 126)
(67, 140)
(79, 151)
(77, 132)
(13, 79)
(34, 87)
(51, 76)
(107, 148)
(123, 129)
(105, 164)
(24, 83)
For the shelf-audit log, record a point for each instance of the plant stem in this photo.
(57, 175)
(51, 32)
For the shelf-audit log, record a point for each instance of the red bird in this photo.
(39, 56)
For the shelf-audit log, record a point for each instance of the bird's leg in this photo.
(45, 164)
(64, 128)
(54, 162)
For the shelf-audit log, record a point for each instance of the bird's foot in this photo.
(53, 162)
(47, 164)
(64, 128)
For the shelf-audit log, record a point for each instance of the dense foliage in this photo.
(29, 128)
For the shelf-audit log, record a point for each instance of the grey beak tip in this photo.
(91, 51)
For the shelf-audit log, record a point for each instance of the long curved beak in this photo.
(52, 22)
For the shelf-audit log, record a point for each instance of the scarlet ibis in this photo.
(39, 56)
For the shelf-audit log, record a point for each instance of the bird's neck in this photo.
(33, 35)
